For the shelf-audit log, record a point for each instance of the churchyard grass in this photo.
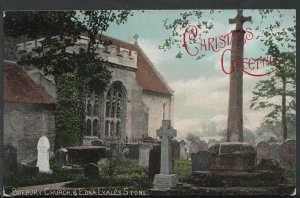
(59, 175)
(183, 169)
(117, 174)
(290, 174)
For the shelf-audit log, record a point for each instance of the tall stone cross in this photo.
(235, 109)
(166, 133)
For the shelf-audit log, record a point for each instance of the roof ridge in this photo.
(154, 69)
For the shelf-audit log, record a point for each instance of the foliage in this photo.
(59, 175)
(59, 32)
(183, 169)
(127, 174)
(290, 175)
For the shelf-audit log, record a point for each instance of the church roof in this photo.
(147, 76)
(20, 88)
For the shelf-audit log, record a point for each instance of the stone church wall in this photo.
(24, 124)
(136, 111)
(155, 103)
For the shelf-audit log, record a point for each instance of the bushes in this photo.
(59, 175)
(117, 174)
(183, 169)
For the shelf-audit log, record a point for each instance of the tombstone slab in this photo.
(201, 161)
(262, 150)
(274, 152)
(183, 150)
(175, 149)
(61, 157)
(43, 155)
(288, 153)
(144, 154)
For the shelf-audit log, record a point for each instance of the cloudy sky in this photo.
(201, 88)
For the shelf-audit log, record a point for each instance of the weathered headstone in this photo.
(154, 161)
(288, 153)
(91, 170)
(166, 179)
(262, 150)
(61, 157)
(183, 150)
(103, 163)
(274, 152)
(144, 155)
(10, 158)
(43, 147)
(201, 161)
(175, 149)
(133, 151)
(202, 146)
(194, 148)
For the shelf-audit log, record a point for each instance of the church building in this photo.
(131, 107)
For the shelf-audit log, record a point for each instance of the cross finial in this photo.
(136, 36)
(240, 19)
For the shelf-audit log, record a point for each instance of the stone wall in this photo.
(155, 103)
(24, 124)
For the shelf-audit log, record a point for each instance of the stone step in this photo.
(262, 178)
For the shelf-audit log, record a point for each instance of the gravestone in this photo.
(262, 150)
(61, 157)
(274, 152)
(97, 143)
(194, 148)
(166, 179)
(133, 151)
(183, 150)
(212, 142)
(91, 170)
(288, 153)
(103, 163)
(202, 146)
(10, 158)
(201, 161)
(144, 155)
(175, 149)
(43, 147)
(154, 161)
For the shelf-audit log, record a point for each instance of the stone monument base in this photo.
(163, 182)
(46, 171)
(232, 156)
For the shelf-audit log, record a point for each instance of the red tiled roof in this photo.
(147, 77)
(20, 88)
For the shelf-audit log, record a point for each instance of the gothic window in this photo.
(88, 128)
(95, 127)
(96, 108)
(114, 110)
(89, 108)
(118, 128)
(112, 128)
(92, 114)
(106, 128)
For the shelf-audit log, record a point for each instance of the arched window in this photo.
(112, 128)
(106, 128)
(95, 127)
(89, 108)
(96, 108)
(118, 128)
(115, 109)
(88, 128)
(92, 114)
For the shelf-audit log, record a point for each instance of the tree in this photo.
(74, 73)
(282, 84)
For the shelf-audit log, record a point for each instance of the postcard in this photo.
(190, 102)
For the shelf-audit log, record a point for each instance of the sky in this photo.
(200, 86)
